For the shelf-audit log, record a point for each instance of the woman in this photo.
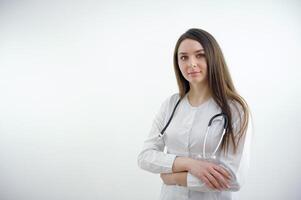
(180, 126)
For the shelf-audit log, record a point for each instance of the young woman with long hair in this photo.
(199, 140)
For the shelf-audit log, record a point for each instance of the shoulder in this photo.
(171, 100)
(167, 105)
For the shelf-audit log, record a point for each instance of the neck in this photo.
(199, 93)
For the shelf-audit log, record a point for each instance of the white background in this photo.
(81, 81)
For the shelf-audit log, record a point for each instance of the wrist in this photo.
(182, 164)
(188, 164)
(175, 178)
(180, 179)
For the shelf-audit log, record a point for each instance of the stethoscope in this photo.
(225, 126)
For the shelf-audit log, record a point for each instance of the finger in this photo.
(224, 172)
(207, 182)
(213, 181)
(219, 177)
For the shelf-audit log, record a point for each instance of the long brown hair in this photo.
(220, 83)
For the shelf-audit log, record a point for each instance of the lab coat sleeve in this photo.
(152, 158)
(238, 163)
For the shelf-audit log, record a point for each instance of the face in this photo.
(192, 61)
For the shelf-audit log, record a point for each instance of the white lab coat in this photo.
(184, 137)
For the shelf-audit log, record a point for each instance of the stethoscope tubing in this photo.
(225, 126)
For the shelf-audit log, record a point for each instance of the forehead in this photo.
(189, 46)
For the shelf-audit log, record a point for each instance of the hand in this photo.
(214, 176)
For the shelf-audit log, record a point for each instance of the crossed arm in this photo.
(215, 177)
(198, 175)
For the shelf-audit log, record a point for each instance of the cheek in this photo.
(182, 69)
(204, 67)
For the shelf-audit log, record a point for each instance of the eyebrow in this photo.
(197, 51)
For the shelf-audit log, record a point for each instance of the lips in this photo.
(193, 72)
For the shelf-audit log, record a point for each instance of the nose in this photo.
(193, 63)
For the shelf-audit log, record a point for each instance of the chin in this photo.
(196, 80)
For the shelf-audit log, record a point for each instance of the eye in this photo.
(200, 55)
(183, 57)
